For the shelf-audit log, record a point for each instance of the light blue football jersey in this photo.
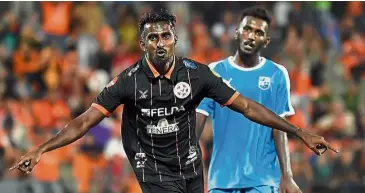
(244, 152)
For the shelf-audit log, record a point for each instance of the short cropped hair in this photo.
(257, 12)
(152, 17)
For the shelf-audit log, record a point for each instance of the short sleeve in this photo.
(113, 95)
(206, 107)
(215, 88)
(283, 105)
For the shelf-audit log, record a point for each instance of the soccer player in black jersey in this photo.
(160, 93)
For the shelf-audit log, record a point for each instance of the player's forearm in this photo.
(73, 131)
(259, 114)
(200, 123)
(281, 145)
(70, 133)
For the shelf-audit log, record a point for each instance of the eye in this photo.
(152, 37)
(246, 29)
(166, 36)
(259, 33)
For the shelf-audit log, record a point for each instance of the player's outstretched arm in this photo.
(73, 131)
(259, 114)
(200, 123)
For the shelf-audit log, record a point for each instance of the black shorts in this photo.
(191, 185)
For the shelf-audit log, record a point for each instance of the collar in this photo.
(151, 71)
(259, 65)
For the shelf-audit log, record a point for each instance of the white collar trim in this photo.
(262, 62)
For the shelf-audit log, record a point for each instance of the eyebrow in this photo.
(156, 33)
(257, 29)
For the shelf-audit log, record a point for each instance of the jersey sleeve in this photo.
(206, 107)
(283, 105)
(114, 94)
(216, 89)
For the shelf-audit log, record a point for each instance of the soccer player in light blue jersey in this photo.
(248, 157)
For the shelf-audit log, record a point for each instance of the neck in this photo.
(246, 61)
(163, 69)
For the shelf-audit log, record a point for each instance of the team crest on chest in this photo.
(182, 90)
(264, 82)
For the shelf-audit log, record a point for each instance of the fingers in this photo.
(282, 190)
(25, 166)
(321, 148)
(293, 190)
(325, 145)
(331, 147)
(315, 151)
(297, 191)
(17, 165)
(13, 167)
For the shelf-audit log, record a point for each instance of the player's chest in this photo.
(254, 86)
(160, 98)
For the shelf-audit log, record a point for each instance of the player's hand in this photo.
(288, 185)
(315, 142)
(27, 162)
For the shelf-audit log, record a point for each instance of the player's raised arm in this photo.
(215, 88)
(73, 131)
(259, 114)
(106, 102)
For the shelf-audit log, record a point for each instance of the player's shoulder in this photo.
(130, 71)
(192, 64)
(277, 67)
(217, 64)
(214, 67)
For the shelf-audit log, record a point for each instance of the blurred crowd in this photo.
(55, 57)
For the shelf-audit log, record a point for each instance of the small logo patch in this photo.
(143, 94)
(182, 90)
(190, 64)
(264, 82)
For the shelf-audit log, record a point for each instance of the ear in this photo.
(176, 40)
(267, 41)
(142, 45)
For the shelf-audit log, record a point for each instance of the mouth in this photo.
(248, 45)
(161, 53)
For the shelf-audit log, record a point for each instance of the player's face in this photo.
(158, 42)
(252, 35)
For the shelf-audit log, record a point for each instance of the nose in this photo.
(251, 36)
(160, 43)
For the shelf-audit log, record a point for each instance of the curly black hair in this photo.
(257, 12)
(152, 17)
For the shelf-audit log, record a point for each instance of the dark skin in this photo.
(159, 38)
(79, 126)
(251, 36)
(255, 31)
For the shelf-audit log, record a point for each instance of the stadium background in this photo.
(56, 57)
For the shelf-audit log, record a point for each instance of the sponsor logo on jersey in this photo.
(162, 127)
(161, 112)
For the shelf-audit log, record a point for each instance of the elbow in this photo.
(88, 120)
(85, 124)
(81, 124)
(241, 105)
